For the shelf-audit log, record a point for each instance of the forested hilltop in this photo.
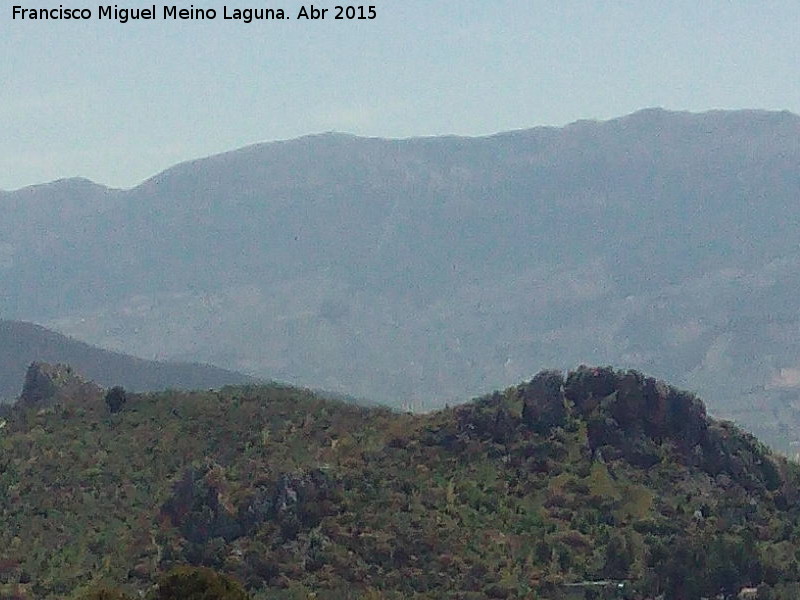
(599, 475)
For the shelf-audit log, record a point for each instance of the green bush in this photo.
(197, 583)
(116, 399)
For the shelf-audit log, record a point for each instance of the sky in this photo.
(118, 103)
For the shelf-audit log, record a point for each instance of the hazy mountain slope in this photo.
(425, 270)
(599, 475)
(23, 343)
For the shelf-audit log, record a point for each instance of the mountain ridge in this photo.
(24, 343)
(423, 271)
(523, 131)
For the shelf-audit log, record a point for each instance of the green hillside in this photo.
(602, 475)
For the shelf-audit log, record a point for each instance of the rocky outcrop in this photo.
(543, 401)
(47, 385)
(202, 509)
(303, 499)
(200, 506)
(638, 419)
(622, 404)
(627, 416)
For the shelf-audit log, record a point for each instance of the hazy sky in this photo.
(119, 103)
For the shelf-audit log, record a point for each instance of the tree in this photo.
(619, 557)
(116, 399)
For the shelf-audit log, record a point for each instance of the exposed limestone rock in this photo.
(201, 507)
(47, 385)
(631, 403)
(587, 386)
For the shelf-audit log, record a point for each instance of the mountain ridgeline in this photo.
(22, 344)
(596, 476)
(423, 271)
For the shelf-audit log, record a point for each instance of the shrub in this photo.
(116, 399)
(197, 583)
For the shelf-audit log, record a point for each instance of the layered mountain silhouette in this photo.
(425, 270)
(22, 344)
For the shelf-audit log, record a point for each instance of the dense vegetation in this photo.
(599, 475)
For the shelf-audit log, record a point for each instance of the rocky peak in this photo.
(49, 384)
(627, 416)
(632, 402)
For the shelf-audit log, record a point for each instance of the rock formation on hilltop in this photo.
(47, 385)
(628, 416)
(22, 343)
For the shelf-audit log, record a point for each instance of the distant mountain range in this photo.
(423, 271)
(23, 343)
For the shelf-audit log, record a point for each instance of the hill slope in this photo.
(602, 475)
(432, 269)
(23, 343)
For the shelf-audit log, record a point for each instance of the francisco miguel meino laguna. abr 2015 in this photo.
(123, 15)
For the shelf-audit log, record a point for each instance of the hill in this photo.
(24, 343)
(599, 475)
(428, 270)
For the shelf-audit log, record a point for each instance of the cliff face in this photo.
(46, 385)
